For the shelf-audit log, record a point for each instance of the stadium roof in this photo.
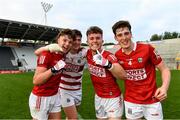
(27, 31)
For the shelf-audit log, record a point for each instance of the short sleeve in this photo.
(43, 59)
(154, 55)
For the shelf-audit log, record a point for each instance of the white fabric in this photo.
(70, 97)
(59, 65)
(40, 107)
(149, 111)
(108, 107)
(54, 48)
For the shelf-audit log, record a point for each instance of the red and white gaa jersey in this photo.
(48, 60)
(72, 77)
(140, 86)
(104, 82)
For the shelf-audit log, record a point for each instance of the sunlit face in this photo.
(76, 44)
(95, 41)
(65, 42)
(123, 36)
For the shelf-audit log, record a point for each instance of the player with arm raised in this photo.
(44, 100)
(70, 85)
(104, 69)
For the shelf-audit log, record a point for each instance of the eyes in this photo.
(95, 38)
(123, 34)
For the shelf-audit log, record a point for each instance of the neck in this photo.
(73, 51)
(94, 52)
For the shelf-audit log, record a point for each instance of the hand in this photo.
(100, 60)
(161, 94)
(58, 67)
(54, 48)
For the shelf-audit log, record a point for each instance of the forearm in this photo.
(41, 78)
(40, 50)
(166, 76)
(118, 71)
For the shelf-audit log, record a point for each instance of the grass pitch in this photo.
(15, 90)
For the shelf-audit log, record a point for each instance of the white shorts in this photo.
(149, 111)
(108, 107)
(40, 107)
(70, 98)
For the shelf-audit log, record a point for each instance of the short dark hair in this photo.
(94, 29)
(77, 32)
(67, 32)
(119, 24)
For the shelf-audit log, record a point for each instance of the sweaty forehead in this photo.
(122, 30)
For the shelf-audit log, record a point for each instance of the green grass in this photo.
(15, 90)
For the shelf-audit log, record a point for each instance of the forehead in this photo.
(94, 35)
(122, 30)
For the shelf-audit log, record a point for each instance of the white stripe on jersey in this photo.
(71, 79)
(70, 86)
(41, 59)
(76, 60)
(113, 57)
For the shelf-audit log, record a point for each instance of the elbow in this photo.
(35, 81)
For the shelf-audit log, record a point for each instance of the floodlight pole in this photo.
(46, 8)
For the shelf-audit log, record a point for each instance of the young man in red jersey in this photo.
(71, 79)
(104, 69)
(44, 100)
(142, 96)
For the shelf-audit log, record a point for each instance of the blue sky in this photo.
(147, 17)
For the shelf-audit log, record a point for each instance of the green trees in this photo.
(166, 35)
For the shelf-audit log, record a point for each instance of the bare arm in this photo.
(51, 47)
(41, 75)
(40, 50)
(118, 71)
(161, 92)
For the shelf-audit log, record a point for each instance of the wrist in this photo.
(109, 66)
(54, 71)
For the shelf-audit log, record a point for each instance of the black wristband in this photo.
(108, 66)
(56, 71)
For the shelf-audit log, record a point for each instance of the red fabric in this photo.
(48, 60)
(104, 83)
(140, 67)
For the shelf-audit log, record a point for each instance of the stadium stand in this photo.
(26, 58)
(19, 55)
(7, 59)
(168, 49)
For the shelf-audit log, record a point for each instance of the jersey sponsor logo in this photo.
(136, 74)
(72, 68)
(97, 71)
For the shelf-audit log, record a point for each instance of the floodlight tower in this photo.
(46, 8)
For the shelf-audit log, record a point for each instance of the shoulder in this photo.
(144, 45)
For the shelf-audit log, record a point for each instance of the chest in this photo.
(135, 60)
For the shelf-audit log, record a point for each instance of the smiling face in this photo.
(76, 44)
(65, 42)
(123, 36)
(95, 41)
